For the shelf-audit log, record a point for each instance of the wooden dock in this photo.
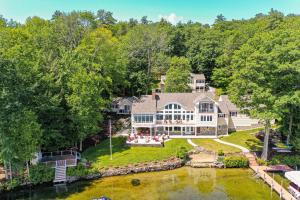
(260, 171)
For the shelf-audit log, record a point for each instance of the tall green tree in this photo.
(141, 46)
(178, 75)
(266, 71)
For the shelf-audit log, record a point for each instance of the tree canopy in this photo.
(58, 76)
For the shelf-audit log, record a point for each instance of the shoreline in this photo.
(154, 166)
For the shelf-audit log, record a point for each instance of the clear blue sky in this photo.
(204, 11)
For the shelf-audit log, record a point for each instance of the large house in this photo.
(188, 115)
(196, 82)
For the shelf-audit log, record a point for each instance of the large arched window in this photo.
(174, 111)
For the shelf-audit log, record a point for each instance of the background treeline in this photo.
(58, 76)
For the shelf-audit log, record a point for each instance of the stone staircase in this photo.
(60, 172)
(251, 158)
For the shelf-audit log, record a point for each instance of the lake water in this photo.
(180, 184)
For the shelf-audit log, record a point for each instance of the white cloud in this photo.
(172, 18)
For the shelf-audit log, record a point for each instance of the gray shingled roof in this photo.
(223, 107)
(224, 99)
(119, 99)
(198, 76)
(147, 105)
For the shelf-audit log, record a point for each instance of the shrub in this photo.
(236, 161)
(182, 153)
(221, 152)
(79, 170)
(40, 174)
(262, 162)
(10, 184)
(291, 160)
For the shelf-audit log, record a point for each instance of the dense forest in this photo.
(58, 76)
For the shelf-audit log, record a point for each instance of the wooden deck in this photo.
(260, 171)
(52, 159)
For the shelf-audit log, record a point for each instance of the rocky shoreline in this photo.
(170, 164)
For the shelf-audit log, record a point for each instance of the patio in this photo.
(146, 140)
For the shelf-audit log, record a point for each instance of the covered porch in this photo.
(175, 131)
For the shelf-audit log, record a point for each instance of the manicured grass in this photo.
(211, 145)
(124, 155)
(246, 139)
(279, 177)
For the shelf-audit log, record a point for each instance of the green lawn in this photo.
(211, 145)
(124, 155)
(279, 178)
(245, 138)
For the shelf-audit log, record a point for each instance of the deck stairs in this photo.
(60, 172)
(251, 158)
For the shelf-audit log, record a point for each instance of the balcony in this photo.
(123, 111)
(174, 122)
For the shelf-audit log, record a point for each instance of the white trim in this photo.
(193, 136)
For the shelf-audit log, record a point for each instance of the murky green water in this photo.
(180, 184)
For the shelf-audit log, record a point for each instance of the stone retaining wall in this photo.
(130, 169)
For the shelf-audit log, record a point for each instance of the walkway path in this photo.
(260, 170)
(244, 150)
(202, 158)
(191, 143)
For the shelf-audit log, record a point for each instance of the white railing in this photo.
(175, 122)
(58, 153)
(122, 111)
(53, 159)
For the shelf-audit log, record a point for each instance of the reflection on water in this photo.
(184, 183)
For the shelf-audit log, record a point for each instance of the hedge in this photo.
(41, 173)
(236, 162)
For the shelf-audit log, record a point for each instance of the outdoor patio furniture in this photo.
(147, 140)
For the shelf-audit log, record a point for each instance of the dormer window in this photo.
(206, 107)
(200, 81)
(233, 114)
(221, 115)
